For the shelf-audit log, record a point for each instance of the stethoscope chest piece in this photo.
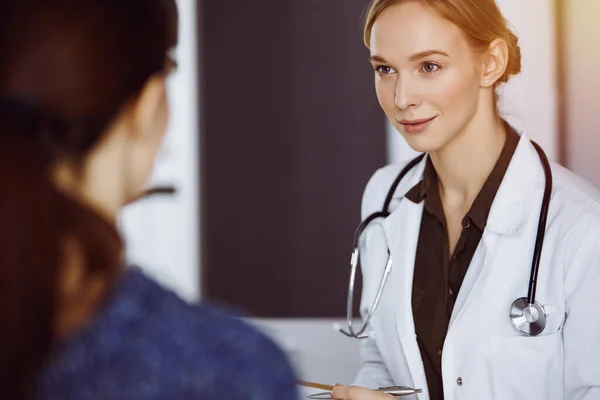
(529, 319)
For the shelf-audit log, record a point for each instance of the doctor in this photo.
(463, 225)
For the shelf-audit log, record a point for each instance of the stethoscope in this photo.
(527, 315)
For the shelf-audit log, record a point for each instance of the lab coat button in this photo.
(459, 381)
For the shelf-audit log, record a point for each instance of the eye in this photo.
(384, 70)
(430, 67)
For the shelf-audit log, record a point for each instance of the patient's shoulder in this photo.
(148, 340)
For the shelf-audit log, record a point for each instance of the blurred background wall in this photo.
(581, 95)
(292, 132)
(276, 130)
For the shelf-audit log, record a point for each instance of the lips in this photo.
(415, 121)
(416, 125)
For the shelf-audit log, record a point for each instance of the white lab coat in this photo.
(482, 350)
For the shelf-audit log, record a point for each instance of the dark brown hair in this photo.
(67, 69)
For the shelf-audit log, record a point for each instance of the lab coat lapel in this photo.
(479, 263)
(507, 216)
(402, 233)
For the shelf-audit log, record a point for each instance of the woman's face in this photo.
(427, 76)
(142, 155)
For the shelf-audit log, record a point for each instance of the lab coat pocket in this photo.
(527, 367)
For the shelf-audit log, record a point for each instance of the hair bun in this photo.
(514, 56)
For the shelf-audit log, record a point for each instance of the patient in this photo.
(83, 111)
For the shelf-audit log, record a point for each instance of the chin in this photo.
(425, 142)
(135, 195)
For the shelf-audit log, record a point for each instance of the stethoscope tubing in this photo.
(384, 213)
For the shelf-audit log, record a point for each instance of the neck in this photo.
(464, 164)
(98, 182)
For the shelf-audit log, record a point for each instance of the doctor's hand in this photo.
(340, 392)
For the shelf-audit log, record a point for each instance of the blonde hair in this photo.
(481, 21)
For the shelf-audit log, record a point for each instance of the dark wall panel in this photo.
(291, 133)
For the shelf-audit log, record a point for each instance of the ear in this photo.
(146, 108)
(494, 63)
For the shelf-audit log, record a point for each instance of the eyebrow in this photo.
(414, 57)
(427, 53)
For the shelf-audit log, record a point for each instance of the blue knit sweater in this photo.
(147, 343)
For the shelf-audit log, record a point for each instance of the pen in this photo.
(397, 391)
(315, 385)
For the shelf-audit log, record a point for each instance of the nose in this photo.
(406, 94)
